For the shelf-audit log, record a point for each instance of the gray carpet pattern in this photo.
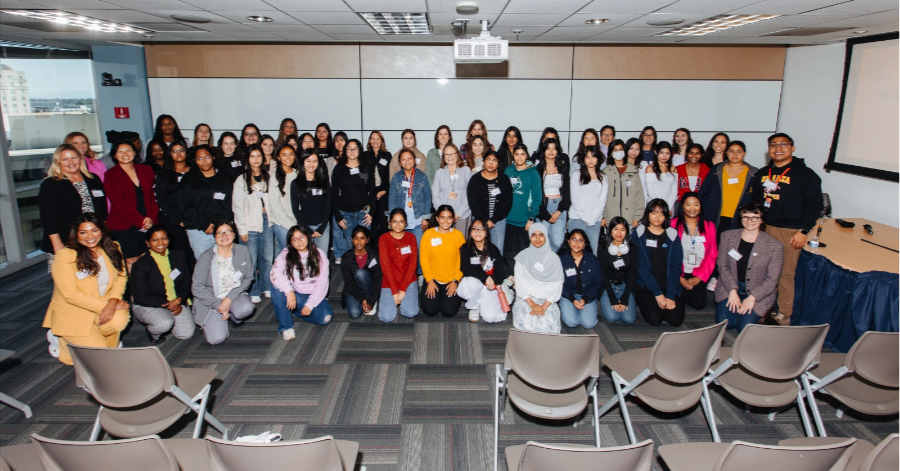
(416, 394)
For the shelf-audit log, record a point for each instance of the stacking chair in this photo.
(743, 456)
(865, 456)
(135, 454)
(139, 393)
(318, 454)
(534, 456)
(766, 365)
(544, 375)
(669, 376)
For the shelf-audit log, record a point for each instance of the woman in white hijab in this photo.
(539, 282)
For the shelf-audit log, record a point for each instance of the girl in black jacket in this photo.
(160, 287)
(490, 198)
(311, 198)
(362, 276)
(619, 262)
(204, 197)
(555, 183)
(484, 270)
(168, 179)
(378, 157)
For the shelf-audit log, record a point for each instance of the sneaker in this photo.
(711, 286)
(54, 344)
(373, 311)
(156, 341)
(337, 261)
(474, 314)
(255, 299)
(288, 334)
(267, 294)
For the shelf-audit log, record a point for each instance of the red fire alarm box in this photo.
(121, 112)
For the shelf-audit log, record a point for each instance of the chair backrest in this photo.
(743, 456)
(4, 466)
(553, 361)
(317, 454)
(778, 352)
(122, 377)
(135, 454)
(684, 357)
(871, 358)
(541, 457)
(885, 456)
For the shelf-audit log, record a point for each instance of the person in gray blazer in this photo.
(749, 265)
(222, 276)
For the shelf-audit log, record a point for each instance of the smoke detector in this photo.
(467, 8)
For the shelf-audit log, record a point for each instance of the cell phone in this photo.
(845, 224)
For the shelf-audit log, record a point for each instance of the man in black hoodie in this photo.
(792, 195)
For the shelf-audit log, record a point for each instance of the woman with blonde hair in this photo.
(81, 143)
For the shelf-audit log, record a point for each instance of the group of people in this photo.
(196, 234)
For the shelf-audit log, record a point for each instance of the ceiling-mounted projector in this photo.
(482, 49)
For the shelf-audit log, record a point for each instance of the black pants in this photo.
(442, 304)
(696, 297)
(516, 240)
(178, 239)
(651, 312)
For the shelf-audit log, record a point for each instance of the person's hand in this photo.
(554, 217)
(245, 238)
(367, 221)
(490, 225)
(431, 290)
(342, 223)
(685, 284)
(451, 289)
(223, 307)
(148, 223)
(181, 224)
(424, 224)
(305, 311)
(316, 235)
(380, 194)
(603, 222)
(173, 304)
(694, 281)
(634, 223)
(661, 301)
(291, 301)
(528, 226)
(579, 304)
(747, 305)
(489, 284)
(670, 304)
(121, 305)
(106, 314)
(177, 310)
(798, 240)
(366, 307)
(734, 301)
(209, 230)
(620, 307)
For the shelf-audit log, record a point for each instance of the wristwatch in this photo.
(804, 231)
(530, 219)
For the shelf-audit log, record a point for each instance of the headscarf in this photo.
(540, 262)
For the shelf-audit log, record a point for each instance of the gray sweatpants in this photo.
(160, 320)
(215, 329)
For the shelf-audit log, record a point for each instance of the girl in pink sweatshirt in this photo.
(300, 278)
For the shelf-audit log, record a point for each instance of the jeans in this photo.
(417, 232)
(735, 320)
(337, 239)
(280, 238)
(352, 220)
(573, 317)
(611, 315)
(320, 314)
(200, 241)
(498, 234)
(363, 280)
(593, 232)
(261, 246)
(409, 307)
(322, 241)
(557, 230)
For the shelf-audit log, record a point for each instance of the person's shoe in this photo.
(373, 311)
(337, 261)
(255, 299)
(159, 341)
(267, 294)
(781, 319)
(288, 334)
(119, 345)
(474, 314)
(711, 286)
(236, 324)
(54, 344)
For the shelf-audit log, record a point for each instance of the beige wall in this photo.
(435, 61)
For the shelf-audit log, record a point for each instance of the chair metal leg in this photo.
(496, 415)
(624, 408)
(201, 413)
(820, 427)
(503, 385)
(596, 418)
(801, 404)
(706, 400)
(777, 411)
(14, 403)
(95, 433)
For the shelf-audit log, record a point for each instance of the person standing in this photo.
(311, 199)
(725, 187)
(250, 202)
(435, 156)
(129, 187)
(408, 138)
(204, 197)
(625, 193)
(168, 180)
(589, 192)
(411, 191)
(377, 157)
(791, 192)
(526, 202)
(448, 186)
(554, 173)
(280, 211)
(490, 198)
(353, 197)
(692, 172)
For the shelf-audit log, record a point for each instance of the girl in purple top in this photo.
(300, 278)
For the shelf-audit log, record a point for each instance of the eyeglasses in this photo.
(649, 134)
(478, 229)
(175, 151)
(203, 157)
(783, 145)
(398, 221)
(298, 239)
(251, 134)
(348, 149)
(224, 233)
(751, 218)
(450, 153)
(576, 241)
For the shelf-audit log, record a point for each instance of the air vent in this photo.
(494, 50)
(464, 50)
(808, 31)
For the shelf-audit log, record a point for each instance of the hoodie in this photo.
(796, 203)
(526, 189)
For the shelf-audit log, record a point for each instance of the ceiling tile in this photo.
(449, 6)
(388, 6)
(357, 37)
(865, 20)
(614, 20)
(278, 28)
(530, 19)
(144, 5)
(641, 22)
(706, 7)
(576, 31)
(447, 18)
(17, 4)
(314, 36)
(230, 5)
(544, 6)
(625, 6)
(506, 31)
(118, 16)
(784, 7)
(857, 7)
(309, 5)
(346, 29)
(624, 32)
(241, 16)
(329, 18)
(167, 15)
(69, 4)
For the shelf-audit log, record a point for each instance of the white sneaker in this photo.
(474, 314)
(267, 294)
(373, 311)
(119, 345)
(711, 286)
(255, 299)
(54, 344)
(288, 334)
(337, 261)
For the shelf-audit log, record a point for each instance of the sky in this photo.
(56, 78)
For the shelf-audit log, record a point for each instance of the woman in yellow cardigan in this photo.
(88, 282)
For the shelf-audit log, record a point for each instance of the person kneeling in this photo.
(583, 280)
(484, 269)
(160, 288)
(300, 278)
(440, 264)
(398, 254)
(362, 276)
(539, 281)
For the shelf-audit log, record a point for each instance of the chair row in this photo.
(768, 366)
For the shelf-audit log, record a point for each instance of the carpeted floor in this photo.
(416, 394)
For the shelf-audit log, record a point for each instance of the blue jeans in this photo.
(593, 232)
(320, 314)
(573, 317)
(261, 246)
(352, 220)
(735, 320)
(337, 239)
(611, 315)
(498, 234)
(200, 241)
(322, 241)
(417, 232)
(557, 230)
(280, 238)
(409, 307)
(363, 280)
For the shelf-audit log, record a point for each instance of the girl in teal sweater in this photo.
(526, 186)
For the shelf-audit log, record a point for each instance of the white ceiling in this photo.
(542, 21)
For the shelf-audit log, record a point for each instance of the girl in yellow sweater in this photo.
(439, 257)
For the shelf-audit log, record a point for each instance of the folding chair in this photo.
(135, 454)
(743, 456)
(534, 456)
(865, 456)
(318, 454)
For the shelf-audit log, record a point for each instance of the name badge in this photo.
(619, 263)
(237, 276)
(453, 177)
(514, 180)
(475, 261)
(82, 274)
(768, 203)
(700, 238)
(405, 250)
(651, 243)
(218, 196)
(354, 171)
(692, 259)
(260, 194)
(435, 241)
(180, 177)
(769, 184)
(174, 274)
(373, 263)
(418, 161)
(453, 195)
(97, 193)
(235, 163)
(570, 272)
(627, 183)
(734, 254)
(317, 192)
(495, 192)
(405, 184)
(732, 181)
(539, 267)
(382, 162)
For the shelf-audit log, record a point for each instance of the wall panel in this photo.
(679, 62)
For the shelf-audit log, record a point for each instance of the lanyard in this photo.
(411, 180)
(779, 179)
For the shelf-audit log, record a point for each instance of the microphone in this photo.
(868, 229)
(814, 243)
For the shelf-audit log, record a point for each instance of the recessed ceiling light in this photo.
(467, 8)
(66, 18)
(397, 23)
(190, 19)
(716, 24)
(596, 21)
(260, 19)
(666, 22)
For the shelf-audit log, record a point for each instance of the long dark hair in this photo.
(486, 252)
(329, 141)
(710, 152)
(362, 162)
(564, 248)
(655, 137)
(293, 260)
(561, 166)
(84, 259)
(320, 178)
(248, 171)
(433, 222)
(242, 145)
(504, 147)
(585, 175)
(609, 150)
(687, 145)
(220, 154)
(437, 144)
(670, 168)
(148, 156)
(302, 136)
(639, 158)
(157, 131)
(169, 164)
(653, 205)
(579, 154)
(280, 175)
(615, 221)
(679, 216)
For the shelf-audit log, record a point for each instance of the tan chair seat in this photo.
(554, 405)
(656, 392)
(348, 451)
(190, 453)
(860, 451)
(692, 456)
(752, 389)
(514, 453)
(21, 457)
(856, 392)
(154, 418)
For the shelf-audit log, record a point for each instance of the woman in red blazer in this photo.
(129, 188)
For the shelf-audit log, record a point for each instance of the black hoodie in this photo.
(797, 202)
(205, 200)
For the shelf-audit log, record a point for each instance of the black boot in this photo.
(161, 340)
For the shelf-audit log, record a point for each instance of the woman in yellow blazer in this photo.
(88, 282)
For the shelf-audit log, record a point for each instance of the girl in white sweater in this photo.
(660, 180)
(280, 213)
(588, 192)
